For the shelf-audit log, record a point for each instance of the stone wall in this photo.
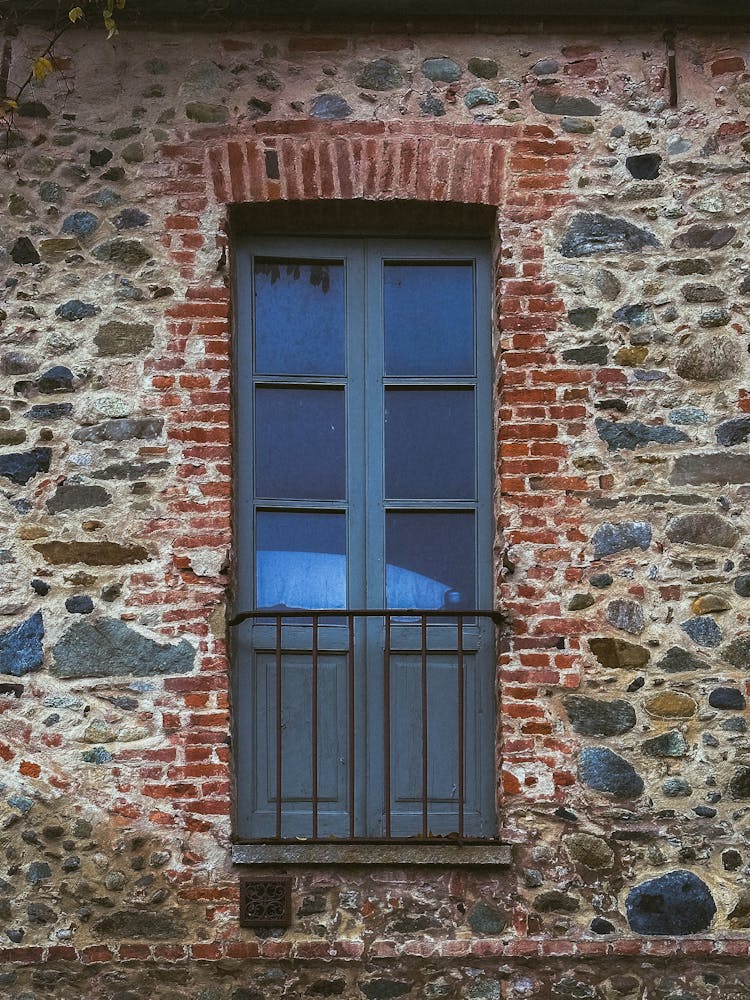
(623, 562)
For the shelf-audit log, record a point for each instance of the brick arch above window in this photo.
(298, 161)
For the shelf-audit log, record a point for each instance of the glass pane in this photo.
(300, 450)
(299, 317)
(429, 319)
(300, 560)
(429, 444)
(430, 559)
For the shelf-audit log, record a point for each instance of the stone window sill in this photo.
(393, 855)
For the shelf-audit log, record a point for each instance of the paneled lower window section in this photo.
(363, 643)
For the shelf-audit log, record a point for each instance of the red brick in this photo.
(133, 952)
(170, 952)
(182, 222)
(520, 711)
(544, 182)
(581, 68)
(317, 43)
(242, 949)
(276, 949)
(727, 64)
(732, 130)
(209, 807)
(22, 956)
(96, 954)
(533, 431)
(61, 953)
(558, 948)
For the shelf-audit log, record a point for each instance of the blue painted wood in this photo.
(378, 565)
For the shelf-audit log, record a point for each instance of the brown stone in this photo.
(9, 436)
(708, 603)
(739, 918)
(51, 249)
(91, 553)
(28, 532)
(618, 653)
(118, 338)
(556, 901)
(717, 358)
(579, 602)
(705, 528)
(593, 852)
(631, 356)
(696, 469)
(217, 621)
(671, 705)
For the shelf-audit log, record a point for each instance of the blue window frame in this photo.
(363, 486)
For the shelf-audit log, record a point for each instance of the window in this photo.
(364, 674)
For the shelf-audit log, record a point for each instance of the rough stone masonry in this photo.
(623, 476)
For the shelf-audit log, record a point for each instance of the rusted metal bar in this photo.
(425, 770)
(278, 727)
(352, 734)
(669, 40)
(420, 625)
(387, 726)
(496, 616)
(461, 735)
(314, 728)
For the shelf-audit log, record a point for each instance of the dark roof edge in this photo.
(398, 15)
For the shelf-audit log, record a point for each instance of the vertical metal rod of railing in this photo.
(278, 726)
(352, 703)
(387, 725)
(424, 726)
(461, 735)
(314, 728)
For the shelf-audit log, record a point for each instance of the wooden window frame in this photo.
(248, 849)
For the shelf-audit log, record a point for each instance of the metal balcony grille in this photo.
(425, 637)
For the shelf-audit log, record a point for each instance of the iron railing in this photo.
(431, 633)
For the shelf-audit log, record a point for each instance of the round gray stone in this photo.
(487, 919)
(676, 787)
(441, 69)
(704, 528)
(670, 744)
(545, 67)
(479, 96)
(716, 358)
(380, 74)
(485, 69)
(605, 771)
(592, 717)
(677, 903)
(80, 224)
(727, 698)
(739, 785)
(330, 107)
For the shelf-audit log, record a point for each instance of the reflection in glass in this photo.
(299, 317)
(429, 444)
(429, 319)
(300, 444)
(430, 559)
(300, 560)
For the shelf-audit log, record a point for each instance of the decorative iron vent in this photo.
(266, 901)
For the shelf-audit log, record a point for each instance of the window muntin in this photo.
(364, 482)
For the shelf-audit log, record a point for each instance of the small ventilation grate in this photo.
(266, 901)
